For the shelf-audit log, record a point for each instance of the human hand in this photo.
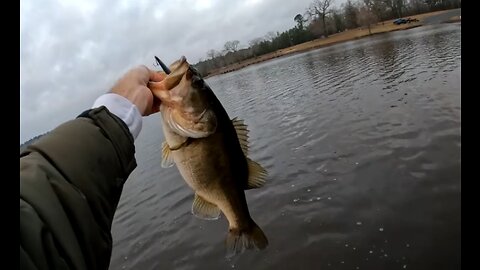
(133, 86)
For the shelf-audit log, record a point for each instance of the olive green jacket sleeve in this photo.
(71, 180)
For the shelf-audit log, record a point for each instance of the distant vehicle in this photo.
(403, 20)
(400, 21)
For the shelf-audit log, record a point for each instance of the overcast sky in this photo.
(72, 51)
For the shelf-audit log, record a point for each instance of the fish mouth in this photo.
(183, 117)
(173, 66)
(176, 72)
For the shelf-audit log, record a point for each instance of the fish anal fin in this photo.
(204, 209)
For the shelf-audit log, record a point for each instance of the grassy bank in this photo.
(381, 27)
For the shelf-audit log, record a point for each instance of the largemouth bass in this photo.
(210, 151)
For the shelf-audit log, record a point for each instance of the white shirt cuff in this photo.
(124, 109)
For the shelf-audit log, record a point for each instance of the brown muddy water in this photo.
(362, 142)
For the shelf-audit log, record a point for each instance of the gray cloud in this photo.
(72, 51)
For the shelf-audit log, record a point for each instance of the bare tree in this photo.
(399, 7)
(338, 20)
(442, 4)
(432, 4)
(254, 42)
(219, 53)
(396, 7)
(366, 17)
(320, 8)
(270, 36)
(378, 7)
(231, 46)
(350, 11)
(417, 6)
(211, 53)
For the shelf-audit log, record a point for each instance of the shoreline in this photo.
(349, 35)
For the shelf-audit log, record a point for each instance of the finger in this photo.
(145, 99)
(159, 90)
(157, 76)
(156, 86)
(142, 73)
(156, 105)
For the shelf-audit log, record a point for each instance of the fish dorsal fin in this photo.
(242, 134)
(203, 209)
(257, 175)
(167, 159)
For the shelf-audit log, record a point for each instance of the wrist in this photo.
(123, 109)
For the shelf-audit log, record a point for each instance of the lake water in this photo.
(362, 143)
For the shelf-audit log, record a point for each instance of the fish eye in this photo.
(197, 82)
(194, 70)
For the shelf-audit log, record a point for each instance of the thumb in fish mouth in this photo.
(155, 83)
(159, 90)
(156, 86)
(158, 94)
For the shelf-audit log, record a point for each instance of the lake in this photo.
(362, 143)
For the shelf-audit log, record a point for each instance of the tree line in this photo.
(24, 145)
(320, 19)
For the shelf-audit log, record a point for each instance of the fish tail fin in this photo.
(238, 240)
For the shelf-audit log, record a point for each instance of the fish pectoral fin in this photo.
(242, 134)
(257, 175)
(167, 159)
(204, 210)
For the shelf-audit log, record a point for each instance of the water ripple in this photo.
(365, 132)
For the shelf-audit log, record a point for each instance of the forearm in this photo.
(73, 178)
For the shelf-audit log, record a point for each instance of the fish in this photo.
(210, 150)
